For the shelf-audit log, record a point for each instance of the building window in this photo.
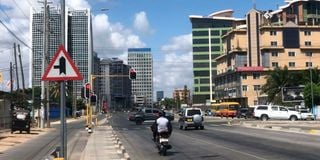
(274, 54)
(256, 75)
(244, 88)
(274, 43)
(308, 64)
(256, 87)
(292, 64)
(307, 43)
(291, 54)
(307, 33)
(308, 54)
(244, 76)
(275, 64)
(273, 33)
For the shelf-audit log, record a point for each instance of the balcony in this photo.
(309, 47)
(237, 50)
(274, 47)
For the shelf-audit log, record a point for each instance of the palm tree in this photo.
(276, 80)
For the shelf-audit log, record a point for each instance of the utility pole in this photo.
(47, 31)
(16, 65)
(43, 64)
(21, 68)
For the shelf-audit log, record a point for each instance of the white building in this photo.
(142, 87)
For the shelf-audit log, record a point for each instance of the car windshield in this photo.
(304, 111)
(193, 112)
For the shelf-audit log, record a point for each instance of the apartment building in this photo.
(207, 45)
(288, 37)
(182, 95)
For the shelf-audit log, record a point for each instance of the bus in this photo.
(225, 109)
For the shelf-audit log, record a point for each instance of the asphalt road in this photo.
(42, 145)
(218, 141)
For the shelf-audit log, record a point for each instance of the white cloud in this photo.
(141, 23)
(175, 70)
(112, 39)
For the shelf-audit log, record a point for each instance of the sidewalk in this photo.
(103, 144)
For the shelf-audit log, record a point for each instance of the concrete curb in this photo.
(281, 128)
(106, 138)
(121, 148)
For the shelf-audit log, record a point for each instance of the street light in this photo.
(311, 82)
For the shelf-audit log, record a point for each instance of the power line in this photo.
(14, 35)
(8, 19)
(20, 9)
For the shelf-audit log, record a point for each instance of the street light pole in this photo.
(311, 81)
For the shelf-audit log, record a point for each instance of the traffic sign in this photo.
(61, 68)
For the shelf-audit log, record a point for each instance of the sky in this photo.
(162, 25)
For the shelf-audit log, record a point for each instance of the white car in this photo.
(306, 115)
(191, 117)
(265, 112)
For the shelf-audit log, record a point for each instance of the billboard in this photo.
(292, 94)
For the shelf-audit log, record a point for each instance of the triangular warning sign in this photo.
(61, 68)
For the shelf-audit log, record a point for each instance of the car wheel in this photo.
(293, 118)
(264, 117)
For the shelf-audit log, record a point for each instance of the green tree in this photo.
(307, 94)
(277, 79)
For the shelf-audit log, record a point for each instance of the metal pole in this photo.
(63, 132)
(62, 88)
(311, 83)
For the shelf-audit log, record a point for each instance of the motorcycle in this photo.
(162, 143)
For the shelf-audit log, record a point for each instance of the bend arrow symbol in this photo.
(61, 66)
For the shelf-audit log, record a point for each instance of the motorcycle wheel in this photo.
(163, 150)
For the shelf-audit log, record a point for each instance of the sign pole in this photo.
(63, 128)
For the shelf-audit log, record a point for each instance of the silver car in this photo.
(191, 117)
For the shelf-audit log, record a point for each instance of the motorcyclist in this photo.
(161, 125)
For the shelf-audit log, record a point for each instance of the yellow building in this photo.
(288, 36)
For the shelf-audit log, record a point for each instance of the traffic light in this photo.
(132, 74)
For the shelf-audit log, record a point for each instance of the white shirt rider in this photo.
(162, 124)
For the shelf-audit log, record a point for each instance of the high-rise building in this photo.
(78, 43)
(140, 59)
(207, 32)
(115, 86)
(160, 95)
(270, 39)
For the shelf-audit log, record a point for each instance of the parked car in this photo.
(169, 115)
(191, 117)
(245, 113)
(307, 115)
(265, 112)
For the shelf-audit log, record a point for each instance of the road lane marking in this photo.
(224, 147)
